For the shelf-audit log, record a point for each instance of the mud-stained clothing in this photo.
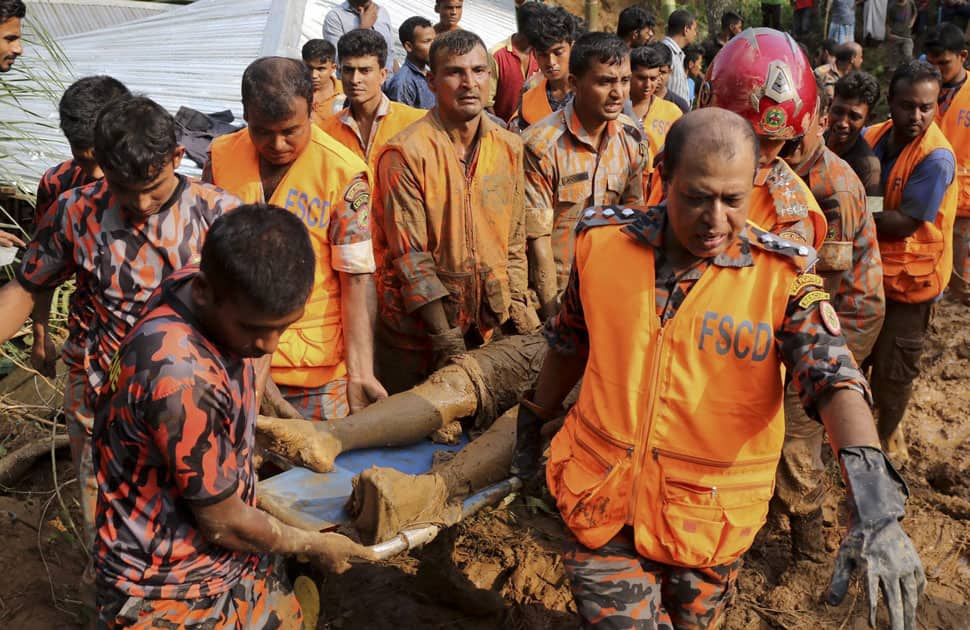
(866, 165)
(261, 598)
(615, 587)
(169, 434)
(456, 232)
(118, 261)
(56, 181)
(850, 265)
(960, 281)
(565, 174)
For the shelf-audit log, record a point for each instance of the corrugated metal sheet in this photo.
(60, 18)
(192, 55)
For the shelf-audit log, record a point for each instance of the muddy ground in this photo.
(501, 570)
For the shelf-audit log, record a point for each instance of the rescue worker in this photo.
(118, 238)
(551, 36)
(78, 110)
(12, 12)
(946, 49)
(664, 467)
(655, 115)
(778, 96)
(453, 209)
(851, 272)
(915, 228)
(856, 95)
(370, 118)
(666, 68)
(586, 154)
(324, 363)
(320, 56)
(179, 435)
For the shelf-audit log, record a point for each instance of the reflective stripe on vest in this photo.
(917, 268)
(678, 429)
(311, 351)
(955, 125)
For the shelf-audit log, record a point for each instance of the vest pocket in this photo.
(712, 510)
(590, 478)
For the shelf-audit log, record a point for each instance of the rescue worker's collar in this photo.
(803, 168)
(763, 175)
(579, 132)
(486, 124)
(648, 228)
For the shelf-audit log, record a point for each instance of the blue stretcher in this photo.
(320, 497)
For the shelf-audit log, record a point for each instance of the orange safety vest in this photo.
(678, 429)
(955, 125)
(660, 117)
(917, 268)
(535, 104)
(311, 351)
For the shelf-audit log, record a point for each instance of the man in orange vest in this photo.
(324, 362)
(654, 114)
(915, 230)
(851, 268)
(370, 118)
(584, 155)
(664, 467)
(551, 37)
(779, 97)
(454, 214)
(946, 49)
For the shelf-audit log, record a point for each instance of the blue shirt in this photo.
(342, 19)
(409, 86)
(924, 190)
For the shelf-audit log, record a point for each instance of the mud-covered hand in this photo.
(274, 405)
(528, 439)
(448, 344)
(364, 392)
(335, 551)
(522, 319)
(875, 542)
(43, 355)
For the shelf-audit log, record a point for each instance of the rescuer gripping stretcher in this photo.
(664, 468)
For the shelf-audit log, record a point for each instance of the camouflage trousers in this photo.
(327, 402)
(262, 598)
(960, 280)
(615, 587)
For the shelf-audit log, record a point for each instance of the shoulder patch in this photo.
(806, 279)
(803, 256)
(791, 203)
(812, 297)
(598, 216)
(633, 131)
(540, 139)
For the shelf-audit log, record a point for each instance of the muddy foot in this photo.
(895, 447)
(448, 434)
(305, 443)
(385, 501)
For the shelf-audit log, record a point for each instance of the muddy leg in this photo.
(385, 501)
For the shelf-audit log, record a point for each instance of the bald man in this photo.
(663, 479)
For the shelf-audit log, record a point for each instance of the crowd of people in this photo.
(690, 220)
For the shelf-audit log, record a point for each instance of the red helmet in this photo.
(764, 76)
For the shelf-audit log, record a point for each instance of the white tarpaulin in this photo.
(192, 55)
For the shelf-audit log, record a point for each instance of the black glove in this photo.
(528, 442)
(876, 543)
(448, 344)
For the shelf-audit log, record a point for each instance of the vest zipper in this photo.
(713, 463)
(603, 435)
(646, 425)
(598, 457)
(698, 488)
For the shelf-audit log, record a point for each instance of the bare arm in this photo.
(233, 524)
(358, 298)
(848, 420)
(16, 303)
(542, 270)
(895, 225)
(43, 354)
(559, 374)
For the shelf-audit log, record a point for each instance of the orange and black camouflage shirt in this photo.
(849, 260)
(565, 174)
(171, 434)
(118, 261)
